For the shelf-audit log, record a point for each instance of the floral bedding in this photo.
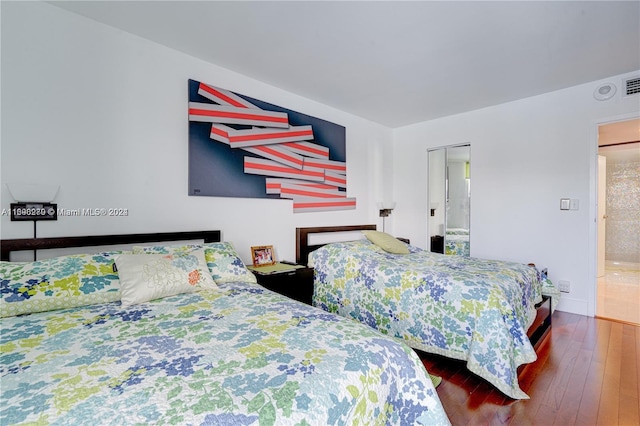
(460, 307)
(233, 356)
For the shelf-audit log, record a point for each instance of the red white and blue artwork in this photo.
(244, 147)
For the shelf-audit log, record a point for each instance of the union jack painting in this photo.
(243, 147)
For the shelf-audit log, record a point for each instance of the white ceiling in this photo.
(392, 62)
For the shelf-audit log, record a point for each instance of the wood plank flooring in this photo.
(586, 374)
(618, 295)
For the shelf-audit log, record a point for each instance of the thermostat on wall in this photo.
(34, 211)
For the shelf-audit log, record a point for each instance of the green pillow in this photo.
(386, 242)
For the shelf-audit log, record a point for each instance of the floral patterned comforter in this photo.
(464, 308)
(234, 356)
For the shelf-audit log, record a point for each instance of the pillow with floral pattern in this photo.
(58, 283)
(145, 277)
(222, 259)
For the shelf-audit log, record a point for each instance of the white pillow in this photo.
(222, 259)
(145, 277)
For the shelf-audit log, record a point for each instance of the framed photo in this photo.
(263, 255)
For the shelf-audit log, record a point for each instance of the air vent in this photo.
(632, 86)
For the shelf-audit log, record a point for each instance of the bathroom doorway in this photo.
(618, 228)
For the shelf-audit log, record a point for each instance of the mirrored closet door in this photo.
(448, 217)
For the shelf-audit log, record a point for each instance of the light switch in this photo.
(575, 204)
(565, 203)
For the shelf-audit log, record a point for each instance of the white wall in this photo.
(103, 114)
(525, 156)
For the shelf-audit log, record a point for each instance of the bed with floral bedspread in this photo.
(460, 307)
(233, 354)
(242, 355)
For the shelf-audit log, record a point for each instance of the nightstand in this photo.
(296, 284)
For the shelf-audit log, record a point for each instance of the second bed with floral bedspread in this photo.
(464, 308)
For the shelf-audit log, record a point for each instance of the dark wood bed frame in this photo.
(303, 248)
(539, 329)
(8, 246)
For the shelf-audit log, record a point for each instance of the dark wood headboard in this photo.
(303, 248)
(8, 246)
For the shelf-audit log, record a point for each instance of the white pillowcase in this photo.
(145, 277)
(222, 259)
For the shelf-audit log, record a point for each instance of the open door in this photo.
(602, 213)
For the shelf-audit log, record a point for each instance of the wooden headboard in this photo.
(8, 246)
(303, 248)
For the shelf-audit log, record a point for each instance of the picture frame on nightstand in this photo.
(263, 256)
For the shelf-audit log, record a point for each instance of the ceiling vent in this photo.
(631, 86)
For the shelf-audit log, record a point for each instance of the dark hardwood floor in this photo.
(586, 374)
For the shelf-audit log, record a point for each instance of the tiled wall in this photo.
(623, 211)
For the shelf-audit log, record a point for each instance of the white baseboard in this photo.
(573, 306)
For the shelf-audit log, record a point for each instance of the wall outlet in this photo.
(564, 286)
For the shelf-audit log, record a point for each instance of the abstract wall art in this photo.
(243, 147)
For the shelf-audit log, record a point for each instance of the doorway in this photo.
(618, 222)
